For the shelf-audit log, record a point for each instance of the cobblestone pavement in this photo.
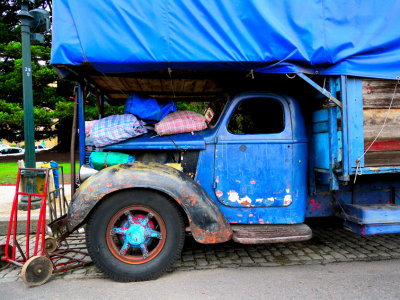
(329, 245)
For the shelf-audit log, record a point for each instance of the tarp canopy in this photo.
(348, 37)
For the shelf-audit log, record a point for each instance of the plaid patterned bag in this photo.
(114, 129)
(180, 122)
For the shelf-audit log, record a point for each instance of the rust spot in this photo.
(178, 200)
(109, 184)
(245, 203)
(191, 200)
(207, 237)
(253, 182)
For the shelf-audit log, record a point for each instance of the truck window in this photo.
(257, 116)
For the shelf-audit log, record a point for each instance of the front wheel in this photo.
(135, 235)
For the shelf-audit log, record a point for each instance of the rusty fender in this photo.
(207, 223)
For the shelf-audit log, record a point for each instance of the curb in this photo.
(21, 228)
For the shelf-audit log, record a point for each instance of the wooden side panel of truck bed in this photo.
(377, 96)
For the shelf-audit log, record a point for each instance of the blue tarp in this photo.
(350, 37)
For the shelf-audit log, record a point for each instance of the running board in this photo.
(263, 234)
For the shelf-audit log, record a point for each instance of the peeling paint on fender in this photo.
(287, 200)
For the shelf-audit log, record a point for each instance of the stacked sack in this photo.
(180, 122)
(117, 128)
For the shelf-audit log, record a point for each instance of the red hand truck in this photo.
(52, 253)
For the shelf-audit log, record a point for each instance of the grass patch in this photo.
(9, 171)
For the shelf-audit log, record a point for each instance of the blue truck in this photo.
(306, 122)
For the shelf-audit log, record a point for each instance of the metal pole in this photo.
(29, 131)
(81, 110)
(72, 149)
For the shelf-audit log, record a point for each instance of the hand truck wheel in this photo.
(37, 270)
(50, 244)
(4, 264)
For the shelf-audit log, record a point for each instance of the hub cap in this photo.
(136, 236)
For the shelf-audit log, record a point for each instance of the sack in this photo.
(117, 128)
(89, 125)
(180, 122)
(148, 108)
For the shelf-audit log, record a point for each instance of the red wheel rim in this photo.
(134, 255)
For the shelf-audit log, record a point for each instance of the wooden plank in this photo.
(144, 85)
(200, 86)
(383, 146)
(213, 87)
(172, 86)
(382, 158)
(118, 96)
(378, 93)
(132, 85)
(189, 85)
(125, 85)
(179, 85)
(116, 85)
(185, 98)
(375, 118)
(155, 84)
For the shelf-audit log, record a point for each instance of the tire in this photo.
(108, 231)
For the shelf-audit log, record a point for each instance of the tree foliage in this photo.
(11, 99)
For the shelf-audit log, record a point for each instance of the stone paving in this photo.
(329, 245)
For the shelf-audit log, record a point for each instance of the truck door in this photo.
(253, 158)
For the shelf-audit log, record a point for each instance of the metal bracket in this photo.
(322, 90)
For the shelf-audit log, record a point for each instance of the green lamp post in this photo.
(37, 19)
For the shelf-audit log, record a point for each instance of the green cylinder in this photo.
(101, 160)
